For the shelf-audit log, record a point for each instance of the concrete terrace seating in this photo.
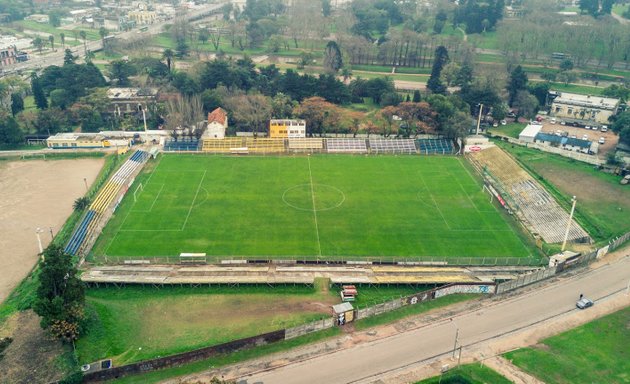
(392, 146)
(305, 144)
(346, 146)
(188, 145)
(103, 200)
(222, 145)
(264, 145)
(544, 215)
(435, 146)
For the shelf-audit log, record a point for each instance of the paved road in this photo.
(56, 58)
(361, 363)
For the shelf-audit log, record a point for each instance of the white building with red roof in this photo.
(217, 124)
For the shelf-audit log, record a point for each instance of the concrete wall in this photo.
(590, 159)
(314, 326)
(184, 358)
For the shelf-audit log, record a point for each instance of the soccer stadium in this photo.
(305, 207)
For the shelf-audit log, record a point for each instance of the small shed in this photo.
(528, 134)
(343, 313)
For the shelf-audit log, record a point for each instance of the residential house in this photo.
(217, 124)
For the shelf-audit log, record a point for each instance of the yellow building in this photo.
(143, 17)
(287, 128)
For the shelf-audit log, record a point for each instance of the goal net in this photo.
(139, 189)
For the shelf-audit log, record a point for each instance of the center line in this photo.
(319, 244)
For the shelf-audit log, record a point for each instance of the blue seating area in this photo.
(103, 200)
(79, 235)
(176, 146)
(435, 146)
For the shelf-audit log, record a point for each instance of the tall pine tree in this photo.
(435, 84)
(518, 82)
(38, 92)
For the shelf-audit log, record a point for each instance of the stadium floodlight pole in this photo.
(85, 181)
(39, 239)
(479, 118)
(566, 234)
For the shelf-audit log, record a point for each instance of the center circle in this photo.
(315, 197)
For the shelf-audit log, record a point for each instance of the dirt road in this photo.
(35, 193)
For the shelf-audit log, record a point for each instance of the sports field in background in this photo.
(325, 207)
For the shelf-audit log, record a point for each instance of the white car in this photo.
(584, 137)
(604, 128)
(584, 303)
(602, 140)
(587, 127)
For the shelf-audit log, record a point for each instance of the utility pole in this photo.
(455, 345)
(85, 181)
(479, 118)
(566, 234)
(52, 236)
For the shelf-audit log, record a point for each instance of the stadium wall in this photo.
(590, 159)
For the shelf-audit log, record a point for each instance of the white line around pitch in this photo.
(310, 174)
(192, 204)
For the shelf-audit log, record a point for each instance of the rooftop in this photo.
(563, 140)
(217, 116)
(531, 130)
(130, 93)
(585, 100)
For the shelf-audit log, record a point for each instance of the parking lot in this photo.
(593, 135)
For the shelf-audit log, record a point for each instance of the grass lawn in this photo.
(596, 352)
(468, 374)
(139, 323)
(240, 356)
(603, 204)
(574, 88)
(326, 207)
(486, 40)
(510, 130)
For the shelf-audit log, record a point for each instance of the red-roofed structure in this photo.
(217, 124)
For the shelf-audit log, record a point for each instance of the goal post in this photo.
(140, 188)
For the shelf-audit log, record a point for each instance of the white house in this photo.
(217, 124)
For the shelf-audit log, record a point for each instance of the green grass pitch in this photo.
(326, 207)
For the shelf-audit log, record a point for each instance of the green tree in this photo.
(526, 103)
(621, 126)
(10, 133)
(51, 40)
(181, 48)
(326, 8)
(306, 58)
(60, 98)
(332, 57)
(440, 21)
(416, 96)
(168, 55)
(60, 295)
(38, 92)
(38, 43)
(121, 70)
(81, 203)
(518, 82)
(17, 103)
(566, 65)
(435, 84)
(62, 37)
(589, 6)
(68, 57)
(103, 33)
(54, 19)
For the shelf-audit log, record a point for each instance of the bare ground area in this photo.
(32, 357)
(36, 193)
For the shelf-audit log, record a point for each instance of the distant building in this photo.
(568, 143)
(143, 17)
(123, 101)
(528, 134)
(38, 18)
(217, 124)
(70, 140)
(283, 128)
(587, 108)
(8, 55)
(514, 12)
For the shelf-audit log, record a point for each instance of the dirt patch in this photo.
(36, 194)
(32, 357)
(574, 182)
